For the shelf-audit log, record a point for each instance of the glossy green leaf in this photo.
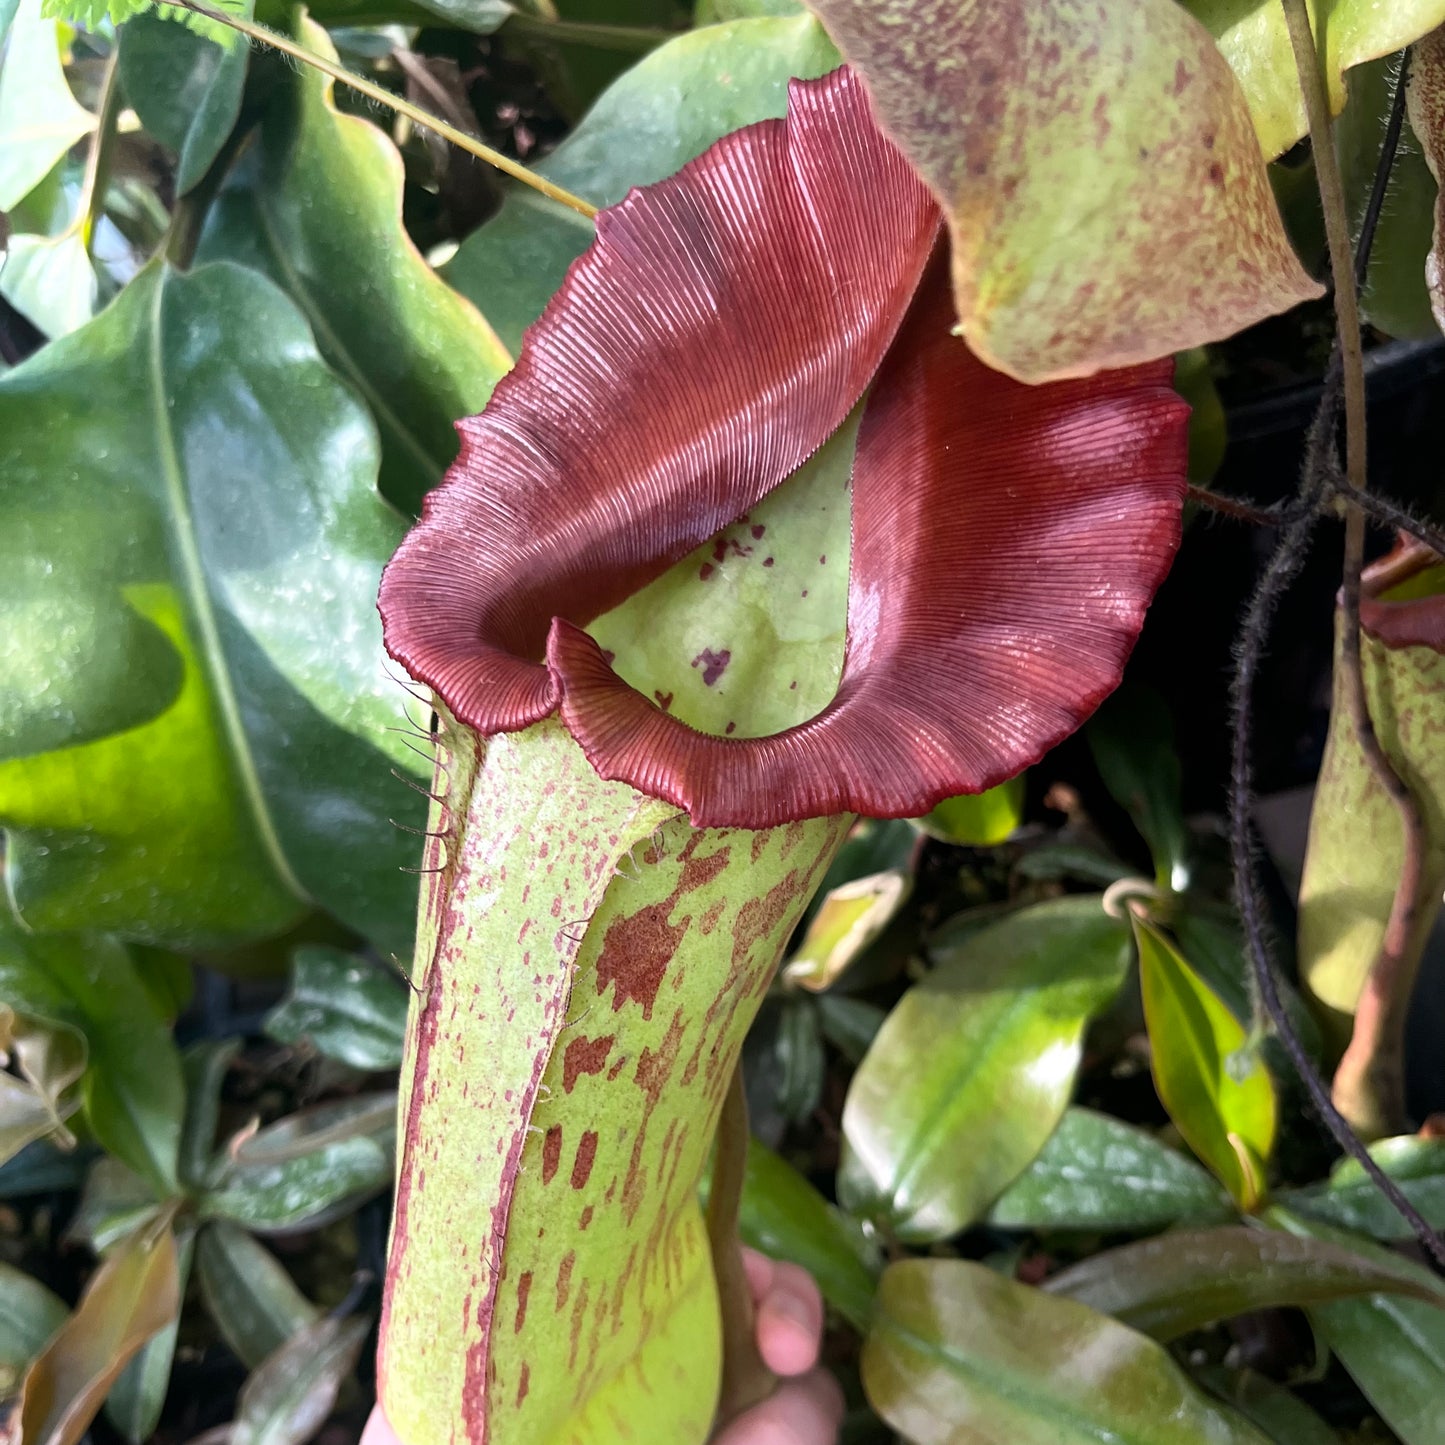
(39, 118)
(1098, 1173)
(310, 1168)
(975, 1066)
(132, 1083)
(1208, 425)
(1071, 860)
(1132, 740)
(1349, 1199)
(667, 109)
(784, 1216)
(50, 281)
(114, 1204)
(29, 1315)
(186, 89)
(1253, 36)
(960, 1353)
(849, 918)
(128, 1299)
(978, 820)
(1211, 1080)
(346, 1007)
(138, 1396)
(317, 207)
(205, 1066)
(1184, 1280)
(1393, 1348)
(250, 1296)
(1286, 1419)
(291, 1393)
(193, 677)
(850, 1024)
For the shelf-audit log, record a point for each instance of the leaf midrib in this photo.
(193, 576)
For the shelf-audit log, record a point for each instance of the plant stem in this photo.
(382, 96)
(1369, 1085)
(96, 181)
(630, 38)
(745, 1379)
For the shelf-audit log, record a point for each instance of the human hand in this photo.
(807, 1406)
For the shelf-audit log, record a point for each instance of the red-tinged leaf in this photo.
(291, 1393)
(1098, 165)
(1006, 539)
(130, 1297)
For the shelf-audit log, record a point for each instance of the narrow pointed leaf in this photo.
(1254, 38)
(1187, 1279)
(1350, 1199)
(138, 1396)
(129, 1298)
(975, 1066)
(39, 118)
(290, 1395)
(1282, 1416)
(190, 543)
(252, 1299)
(205, 1066)
(1217, 1091)
(114, 1204)
(958, 1352)
(1097, 1173)
(345, 1007)
(849, 918)
(316, 206)
(666, 109)
(1104, 189)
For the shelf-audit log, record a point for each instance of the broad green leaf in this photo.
(960, 1353)
(308, 1169)
(1209, 1077)
(29, 1315)
(975, 1066)
(978, 820)
(1254, 39)
(1351, 1200)
(205, 1066)
(132, 1082)
(1097, 1173)
(1395, 297)
(1132, 740)
(1184, 1280)
(39, 118)
(250, 1296)
(599, 1073)
(189, 550)
(845, 923)
(50, 281)
(291, 1393)
(783, 1215)
(1283, 1417)
(317, 207)
(130, 1297)
(1104, 190)
(139, 1394)
(1394, 1348)
(186, 89)
(346, 1007)
(667, 109)
(1071, 860)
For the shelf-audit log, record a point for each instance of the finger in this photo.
(807, 1411)
(790, 1322)
(377, 1431)
(759, 1270)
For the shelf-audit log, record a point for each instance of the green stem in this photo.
(631, 38)
(746, 1380)
(102, 148)
(382, 96)
(1369, 1086)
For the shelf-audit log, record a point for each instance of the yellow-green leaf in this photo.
(1209, 1076)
